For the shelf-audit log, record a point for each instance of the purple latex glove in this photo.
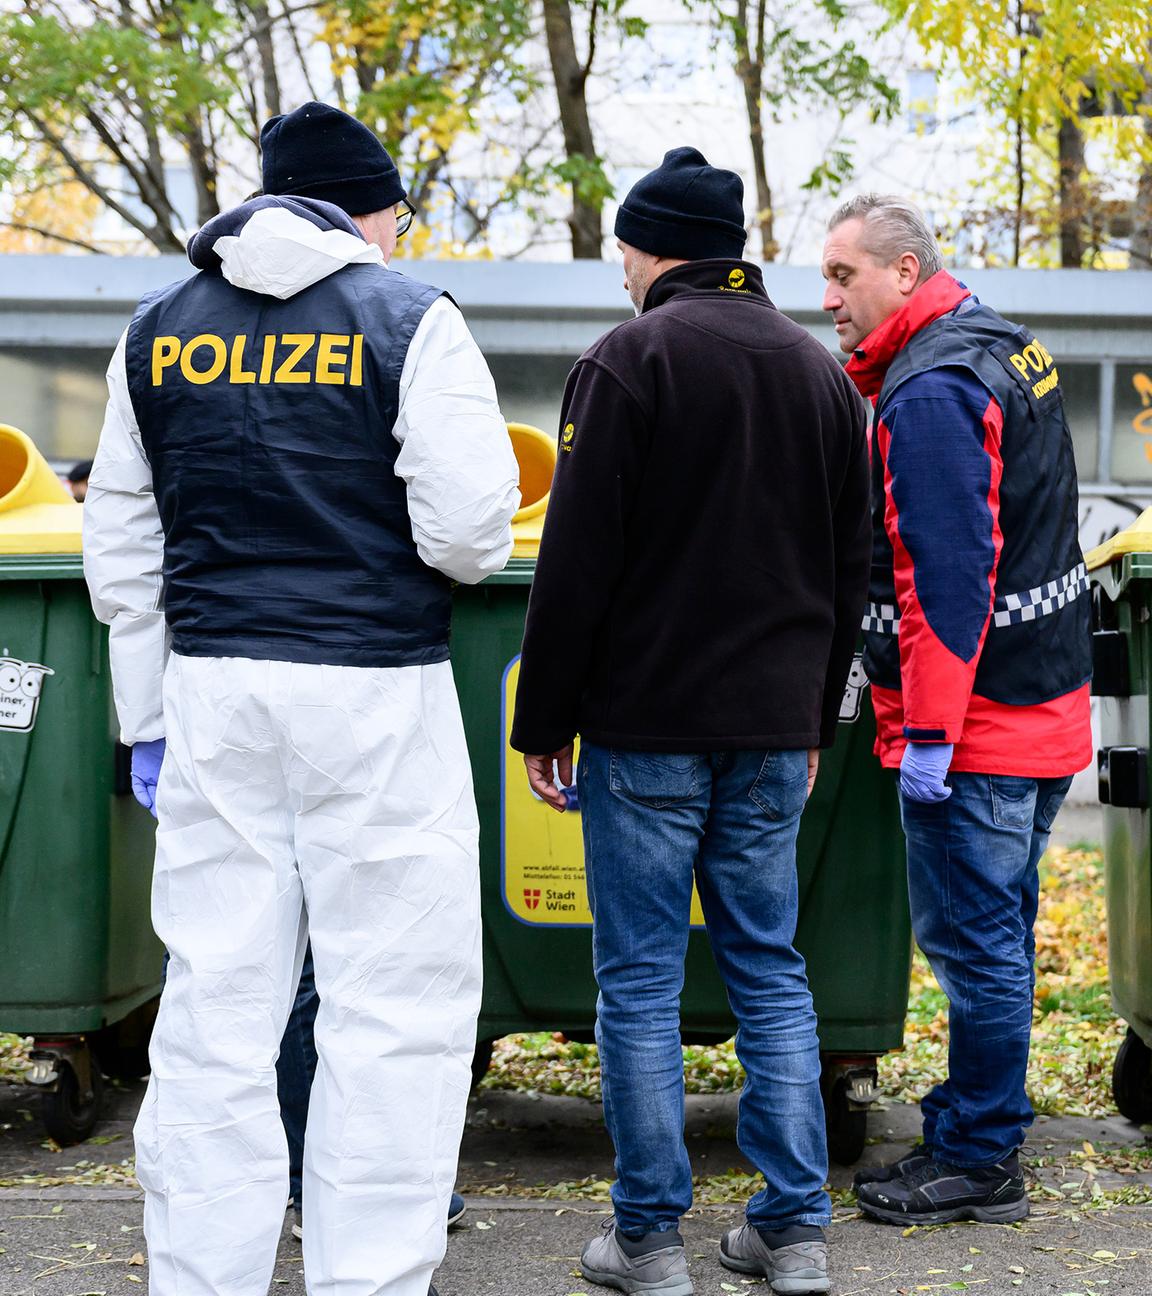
(147, 757)
(923, 769)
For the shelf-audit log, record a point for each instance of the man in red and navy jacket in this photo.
(977, 646)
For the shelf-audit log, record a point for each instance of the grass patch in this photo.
(1075, 1033)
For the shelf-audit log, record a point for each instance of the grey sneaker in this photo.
(663, 1270)
(791, 1270)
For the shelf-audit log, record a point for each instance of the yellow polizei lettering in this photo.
(266, 360)
(327, 356)
(1020, 364)
(301, 344)
(236, 371)
(1033, 356)
(165, 351)
(219, 358)
(339, 358)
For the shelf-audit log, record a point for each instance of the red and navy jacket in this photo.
(977, 630)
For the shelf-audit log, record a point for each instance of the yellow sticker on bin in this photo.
(542, 852)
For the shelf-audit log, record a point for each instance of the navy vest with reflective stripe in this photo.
(1038, 645)
(268, 427)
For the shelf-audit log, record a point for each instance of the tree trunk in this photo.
(1070, 149)
(267, 52)
(571, 78)
(751, 73)
(1140, 248)
(203, 166)
(1018, 159)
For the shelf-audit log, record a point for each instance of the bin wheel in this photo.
(481, 1060)
(1132, 1079)
(846, 1124)
(68, 1118)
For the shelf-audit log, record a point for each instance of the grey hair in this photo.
(892, 226)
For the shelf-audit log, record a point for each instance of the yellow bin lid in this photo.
(536, 455)
(1135, 538)
(37, 514)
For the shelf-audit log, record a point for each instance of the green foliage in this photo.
(1037, 61)
(791, 59)
(806, 71)
(418, 71)
(833, 171)
(587, 177)
(79, 88)
(51, 67)
(1031, 65)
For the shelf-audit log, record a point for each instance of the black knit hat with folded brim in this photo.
(685, 209)
(321, 152)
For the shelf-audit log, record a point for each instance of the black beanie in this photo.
(685, 209)
(321, 152)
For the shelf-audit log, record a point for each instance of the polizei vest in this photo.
(268, 427)
(1038, 644)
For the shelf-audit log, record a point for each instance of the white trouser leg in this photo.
(227, 902)
(386, 838)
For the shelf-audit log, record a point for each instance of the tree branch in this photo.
(155, 198)
(59, 238)
(593, 18)
(163, 239)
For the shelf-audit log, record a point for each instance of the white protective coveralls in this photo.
(301, 800)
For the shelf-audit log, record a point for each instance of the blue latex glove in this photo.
(147, 757)
(923, 769)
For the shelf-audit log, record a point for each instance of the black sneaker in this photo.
(920, 1155)
(938, 1194)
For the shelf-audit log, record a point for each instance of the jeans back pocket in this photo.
(1013, 800)
(655, 778)
(781, 787)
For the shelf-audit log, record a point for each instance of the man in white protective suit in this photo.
(302, 450)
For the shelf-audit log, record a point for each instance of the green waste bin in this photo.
(854, 928)
(1121, 573)
(79, 964)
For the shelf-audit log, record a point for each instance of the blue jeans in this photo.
(973, 886)
(651, 821)
(295, 1069)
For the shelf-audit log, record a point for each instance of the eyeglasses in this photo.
(404, 214)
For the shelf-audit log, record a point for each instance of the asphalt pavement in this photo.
(75, 1240)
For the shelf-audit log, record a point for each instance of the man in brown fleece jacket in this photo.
(700, 587)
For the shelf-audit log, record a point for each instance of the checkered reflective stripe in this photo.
(1012, 609)
(881, 618)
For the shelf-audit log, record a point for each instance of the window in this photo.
(57, 397)
(1080, 384)
(531, 388)
(1132, 424)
